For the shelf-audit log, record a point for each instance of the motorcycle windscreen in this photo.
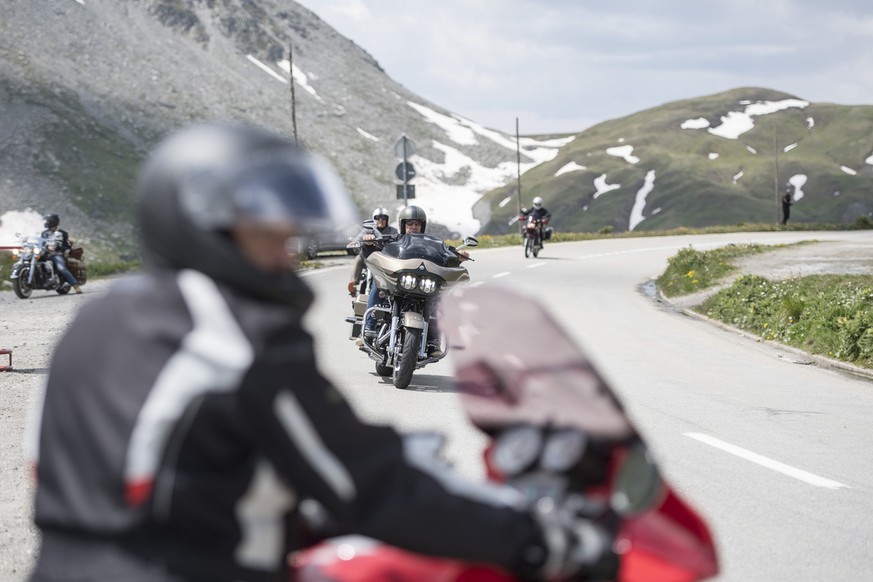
(420, 246)
(515, 365)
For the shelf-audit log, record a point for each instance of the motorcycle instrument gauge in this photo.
(516, 449)
(563, 449)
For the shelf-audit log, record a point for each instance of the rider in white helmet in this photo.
(538, 211)
(381, 217)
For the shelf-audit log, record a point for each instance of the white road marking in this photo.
(649, 249)
(503, 274)
(475, 284)
(267, 69)
(767, 462)
(535, 265)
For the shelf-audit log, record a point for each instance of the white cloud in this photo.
(495, 61)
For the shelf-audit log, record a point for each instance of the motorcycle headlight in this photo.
(408, 282)
(428, 285)
(15, 252)
(516, 449)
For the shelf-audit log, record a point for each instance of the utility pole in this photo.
(293, 101)
(776, 167)
(518, 163)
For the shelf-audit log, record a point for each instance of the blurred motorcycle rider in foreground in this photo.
(184, 417)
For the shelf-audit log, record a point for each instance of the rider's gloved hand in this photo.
(353, 288)
(570, 548)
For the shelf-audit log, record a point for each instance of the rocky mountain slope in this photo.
(88, 86)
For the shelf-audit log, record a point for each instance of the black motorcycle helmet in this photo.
(201, 181)
(51, 220)
(412, 213)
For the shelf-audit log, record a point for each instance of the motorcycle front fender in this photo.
(16, 270)
(412, 319)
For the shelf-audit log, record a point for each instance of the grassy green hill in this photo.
(703, 179)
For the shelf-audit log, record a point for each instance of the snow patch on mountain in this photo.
(570, 167)
(636, 215)
(736, 123)
(797, 180)
(602, 187)
(625, 151)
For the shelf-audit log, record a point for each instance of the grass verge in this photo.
(829, 315)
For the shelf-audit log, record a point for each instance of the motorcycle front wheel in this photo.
(408, 358)
(20, 286)
(528, 246)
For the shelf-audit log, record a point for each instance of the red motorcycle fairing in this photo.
(360, 559)
(547, 383)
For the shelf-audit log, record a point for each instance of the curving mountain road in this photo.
(775, 454)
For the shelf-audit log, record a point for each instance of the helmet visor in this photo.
(297, 190)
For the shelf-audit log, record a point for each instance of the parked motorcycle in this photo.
(34, 269)
(558, 435)
(411, 272)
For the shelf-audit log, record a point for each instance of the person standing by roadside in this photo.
(787, 201)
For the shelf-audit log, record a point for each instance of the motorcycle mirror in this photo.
(637, 486)
(369, 223)
(471, 241)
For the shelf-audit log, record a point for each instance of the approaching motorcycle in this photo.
(532, 232)
(559, 436)
(34, 269)
(411, 272)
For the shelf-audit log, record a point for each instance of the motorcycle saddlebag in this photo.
(78, 270)
(547, 233)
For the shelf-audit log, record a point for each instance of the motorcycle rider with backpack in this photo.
(184, 417)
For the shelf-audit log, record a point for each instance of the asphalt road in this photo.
(773, 452)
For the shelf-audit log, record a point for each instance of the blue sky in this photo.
(564, 65)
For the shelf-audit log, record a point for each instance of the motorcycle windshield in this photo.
(537, 376)
(421, 246)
